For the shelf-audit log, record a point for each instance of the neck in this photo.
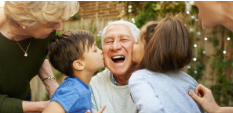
(228, 12)
(10, 31)
(84, 76)
(122, 79)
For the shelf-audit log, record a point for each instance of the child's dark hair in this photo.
(68, 47)
(169, 46)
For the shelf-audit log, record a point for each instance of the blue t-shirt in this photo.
(73, 95)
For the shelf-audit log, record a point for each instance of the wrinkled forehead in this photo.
(118, 30)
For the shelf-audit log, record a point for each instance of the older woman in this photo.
(26, 28)
(213, 13)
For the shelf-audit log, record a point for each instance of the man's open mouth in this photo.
(118, 59)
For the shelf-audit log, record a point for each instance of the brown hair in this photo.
(169, 46)
(68, 47)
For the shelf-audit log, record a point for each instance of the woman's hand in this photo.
(205, 98)
(100, 111)
(44, 72)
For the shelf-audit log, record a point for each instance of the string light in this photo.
(193, 17)
(187, 12)
(189, 67)
(195, 72)
(203, 52)
(228, 38)
(129, 10)
(133, 20)
(224, 52)
(191, 29)
(198, 33)
(195, 45)
(194, 59)
(196, 20)
(205, 38)
(130, 6)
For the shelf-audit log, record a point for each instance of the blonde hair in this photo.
(30, 13)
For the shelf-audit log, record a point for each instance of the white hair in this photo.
(133, 28)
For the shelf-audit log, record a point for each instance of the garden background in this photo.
(212, 62)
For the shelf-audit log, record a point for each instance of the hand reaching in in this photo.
(205, 98)
(100, 111)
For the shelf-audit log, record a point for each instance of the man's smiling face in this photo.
(117, 49)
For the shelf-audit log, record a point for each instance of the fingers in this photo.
(102, 109)
(195, 97)
(200, 90)
(88, 111)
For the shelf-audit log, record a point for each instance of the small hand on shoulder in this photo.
(100, 111)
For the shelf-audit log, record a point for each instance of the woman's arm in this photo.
(29, 106)
(205, 98)
(44, 72)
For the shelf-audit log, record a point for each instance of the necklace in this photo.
(25, 51)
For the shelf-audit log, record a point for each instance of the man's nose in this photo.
(116, 45)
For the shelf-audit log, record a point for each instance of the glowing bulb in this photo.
(187, 12)
(191, 29)
(193, 17)
(224, 52)
(189, 67)
(203, 52)
(195, 45)
(205, 38)
(195, 72)
(194, 59)
(228, 38)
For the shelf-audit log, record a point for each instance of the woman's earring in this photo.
(24, 27)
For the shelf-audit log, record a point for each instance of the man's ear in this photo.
(78, 65)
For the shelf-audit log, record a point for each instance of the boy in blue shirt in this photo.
(75, 54)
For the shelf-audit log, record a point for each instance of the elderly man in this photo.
(110, 86)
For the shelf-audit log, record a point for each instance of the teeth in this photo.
(117, 57)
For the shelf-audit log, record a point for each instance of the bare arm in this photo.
(34, 107)
(205, 98)
(54, 107)
(44, 72)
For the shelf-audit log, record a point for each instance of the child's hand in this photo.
(100, 111)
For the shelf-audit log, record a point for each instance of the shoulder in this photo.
(100, 77)
(142, 73)
(189, 78)
(65, 94)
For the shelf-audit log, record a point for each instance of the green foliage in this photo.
(154, 10)
(222, 90)
(75, 17)
(196, 67)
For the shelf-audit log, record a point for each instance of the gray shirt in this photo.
(116, 98)
(163, 92)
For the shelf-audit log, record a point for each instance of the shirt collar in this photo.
(113, 80)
